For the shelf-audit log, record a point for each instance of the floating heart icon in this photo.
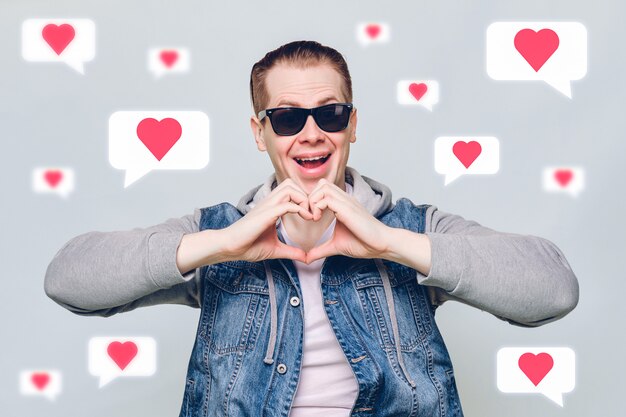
(372, 30)
(53, 177)
(466, 152)
(169, 58)
(563, 176)
(58, 37)
(536, 47)
(122, 353)
(535, 367)
(159, 136)
(40, 380)
(418, 90)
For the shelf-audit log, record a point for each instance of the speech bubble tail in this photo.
(78, 66)
(51, 397)
(564, 86)
(450, 178)
(105, 380)
(556, 397)
(428, 107)
(133, 175)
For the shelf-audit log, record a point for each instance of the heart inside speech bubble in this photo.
(159, 136)
(536, 367)
(467, 152)
(122, 353)
(40, 380)
(169, 58)
(58, 36)
(418, 90)
(372, 31)
(536, 47)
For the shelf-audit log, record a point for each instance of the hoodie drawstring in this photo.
(392, 314)
(269, 354)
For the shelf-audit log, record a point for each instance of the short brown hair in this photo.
(301, 54)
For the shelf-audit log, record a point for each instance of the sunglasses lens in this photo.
(288, 122)
(332, 118)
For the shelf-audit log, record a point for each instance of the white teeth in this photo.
(312, 159)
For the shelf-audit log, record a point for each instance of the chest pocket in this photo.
(235, 303)
(410, 305)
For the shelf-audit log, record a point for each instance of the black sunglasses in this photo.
(287, 121)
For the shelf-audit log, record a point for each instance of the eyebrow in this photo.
(294, 104)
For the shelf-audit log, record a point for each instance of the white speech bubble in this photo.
(423, 93)
(168, 60)
(72, 41)
(466, 155)
(569, 180)
(55, 180)
(545, 370)
(555, 52)
(114, 357)
(41, 382)
(140, 145)
(372, 32)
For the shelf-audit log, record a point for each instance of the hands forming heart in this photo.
(357, 233)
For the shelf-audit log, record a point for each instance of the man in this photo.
(317, 293)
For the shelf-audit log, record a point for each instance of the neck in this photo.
(306, 233)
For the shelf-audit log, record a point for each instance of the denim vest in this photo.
(248, 351)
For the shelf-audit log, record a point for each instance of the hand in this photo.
(253, 237)
(357, 233)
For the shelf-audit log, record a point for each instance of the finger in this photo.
(324, 250)
(295, 194)
(290, 207)
(289, 252)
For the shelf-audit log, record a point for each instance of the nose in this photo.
(311, 132)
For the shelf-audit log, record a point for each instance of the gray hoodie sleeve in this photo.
(104, 273)
(522, 279)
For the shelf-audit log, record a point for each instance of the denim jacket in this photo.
(248, 351)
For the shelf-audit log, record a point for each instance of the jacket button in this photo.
(281, 368)
(294, 301)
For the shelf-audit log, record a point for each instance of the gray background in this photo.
(51, 115)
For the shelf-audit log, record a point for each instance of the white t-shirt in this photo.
(327, 386)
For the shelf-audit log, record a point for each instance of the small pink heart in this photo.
(159, 136)
(53, 177)
(536, 47)
(58, 37)
(535, 367)
(563, 176)
(467, 152)
(122, 353)
(40, 380)
(372, 30)
(169, 58)
(418, 90)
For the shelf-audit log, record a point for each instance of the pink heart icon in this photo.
(372, 30)
(169, 58)
(53, 177)
(40, 380)
(159, 136)
(535, 367)
(467, 152)
(122, 353)
(58, 37)
(563, 176)
(536, 47)
(418, 90)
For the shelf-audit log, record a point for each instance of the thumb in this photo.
(322, 251)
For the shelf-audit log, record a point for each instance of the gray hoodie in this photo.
(522, 279)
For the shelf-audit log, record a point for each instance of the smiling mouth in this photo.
(311, 163)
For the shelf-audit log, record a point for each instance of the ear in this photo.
(257, 132)
(353, 120)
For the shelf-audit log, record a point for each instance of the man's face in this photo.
(289, 86)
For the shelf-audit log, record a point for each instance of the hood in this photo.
(374, 196)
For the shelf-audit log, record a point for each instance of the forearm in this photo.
(199, 249)
(410, 249)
